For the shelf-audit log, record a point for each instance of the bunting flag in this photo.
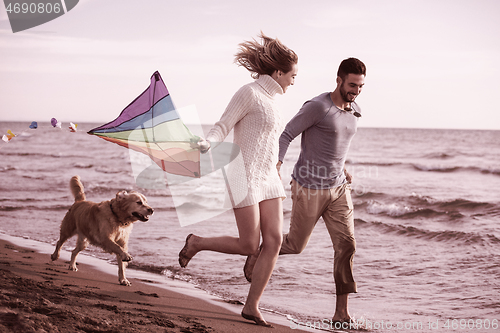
(151, 125)
(72, 127)
(55, 123)
(7, 137)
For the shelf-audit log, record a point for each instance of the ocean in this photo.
(427, 213)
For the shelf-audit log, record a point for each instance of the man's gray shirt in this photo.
(327, 132)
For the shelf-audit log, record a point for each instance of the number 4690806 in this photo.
(471, 324)
(33, 8)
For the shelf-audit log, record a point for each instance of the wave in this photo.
(82, 165)
(430, 167)
(351, 162)
(372, 195)
(10, 208)
(146, 267)
(7, 168)
(39, 155)
(416, 206)
(108, 170)
(420, 167)
(406, 212)
(34, 206)
(439, 156)
(466, 204)
(467, 238)
(446, 169)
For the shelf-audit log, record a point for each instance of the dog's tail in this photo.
(77, 188)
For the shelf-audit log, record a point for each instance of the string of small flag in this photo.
(34, 125)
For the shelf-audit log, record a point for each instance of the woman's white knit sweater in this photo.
(257, 127)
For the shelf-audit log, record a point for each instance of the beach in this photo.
(37, 295)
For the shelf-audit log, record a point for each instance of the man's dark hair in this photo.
(351, 66)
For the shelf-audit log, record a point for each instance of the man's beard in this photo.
(345, 95)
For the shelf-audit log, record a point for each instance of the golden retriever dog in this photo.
(106, 224)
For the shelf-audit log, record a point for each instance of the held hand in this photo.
(203, 145)
(348, 176)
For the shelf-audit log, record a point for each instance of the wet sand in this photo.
(38, 295)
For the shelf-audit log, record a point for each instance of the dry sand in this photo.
(37, 295)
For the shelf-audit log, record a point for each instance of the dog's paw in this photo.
(126, 257)
(73, 268)
(125, 282)
(54, 256)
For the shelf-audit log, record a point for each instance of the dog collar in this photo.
(112, 211)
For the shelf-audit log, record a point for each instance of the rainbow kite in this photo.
(151, 125)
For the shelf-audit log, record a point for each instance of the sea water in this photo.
(427, 213)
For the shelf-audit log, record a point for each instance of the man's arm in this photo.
(305, 118)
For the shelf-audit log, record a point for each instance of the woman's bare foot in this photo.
(187, 251)
(257, 318)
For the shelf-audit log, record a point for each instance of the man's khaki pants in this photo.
(335, 206)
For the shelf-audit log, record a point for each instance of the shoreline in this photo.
(37, 293)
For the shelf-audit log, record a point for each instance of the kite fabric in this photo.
(151, 125)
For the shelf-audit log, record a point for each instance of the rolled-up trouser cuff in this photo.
(346, 288)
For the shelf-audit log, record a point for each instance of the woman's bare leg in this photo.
(247, 221)
(265, 217)
(271, 225)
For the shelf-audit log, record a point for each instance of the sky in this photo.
(430, 63)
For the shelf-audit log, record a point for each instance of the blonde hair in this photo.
(266, 57)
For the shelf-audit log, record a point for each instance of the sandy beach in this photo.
(37, 295)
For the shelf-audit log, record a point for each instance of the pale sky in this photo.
(430, 63)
